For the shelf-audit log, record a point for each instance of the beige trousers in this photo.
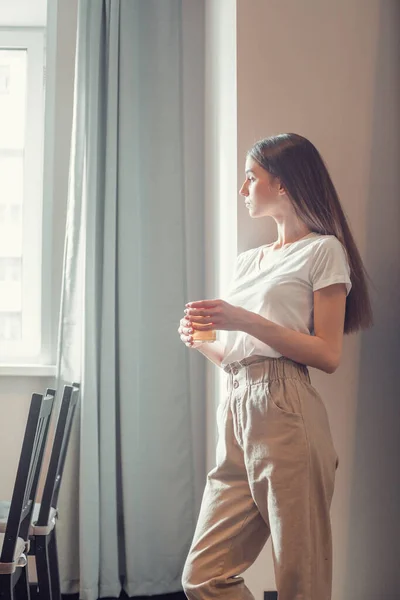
(274, 476)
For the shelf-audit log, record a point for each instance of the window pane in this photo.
(10, 269)
(11, 179)
(21, 194)
(11, 189)
(12, 98)
(10, 231)
(10, 326)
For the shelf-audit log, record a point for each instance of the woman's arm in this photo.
(324, 349)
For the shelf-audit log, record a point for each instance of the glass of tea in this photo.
(204, 336)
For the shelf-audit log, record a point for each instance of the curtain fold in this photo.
(132, 485)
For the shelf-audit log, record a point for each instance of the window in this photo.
(21, 192)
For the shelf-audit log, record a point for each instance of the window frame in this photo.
(36, 279)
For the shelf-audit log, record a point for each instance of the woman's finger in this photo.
(185, 330)
(185, 322)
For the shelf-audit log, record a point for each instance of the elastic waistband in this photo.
(258, 369)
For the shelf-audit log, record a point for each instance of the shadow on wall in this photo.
(374, 534)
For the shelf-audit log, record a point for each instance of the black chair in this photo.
(42, 534)
(13, 542)
(43, 531)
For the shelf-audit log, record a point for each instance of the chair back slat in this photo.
(32, 451)
(26, 510)
(34, 460)
(36, 464)
(58, 453)
(42, 447)
(64, 449)
(37, 456)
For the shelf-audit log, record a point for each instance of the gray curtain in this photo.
(133, 257)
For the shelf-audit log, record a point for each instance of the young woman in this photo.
(288, 306)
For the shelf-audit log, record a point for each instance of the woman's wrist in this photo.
(245, 320)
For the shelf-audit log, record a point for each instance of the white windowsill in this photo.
(27, 370)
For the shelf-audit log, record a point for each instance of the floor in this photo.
(123, 596)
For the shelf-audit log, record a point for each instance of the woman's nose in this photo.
(243, 191)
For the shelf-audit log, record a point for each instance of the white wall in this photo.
(329, 70)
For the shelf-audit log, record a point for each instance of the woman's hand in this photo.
(216, 314)
(185, 330)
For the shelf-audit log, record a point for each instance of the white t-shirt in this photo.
(281, 289)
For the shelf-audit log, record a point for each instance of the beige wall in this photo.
(330, 71)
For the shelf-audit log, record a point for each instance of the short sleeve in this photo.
(330, 265)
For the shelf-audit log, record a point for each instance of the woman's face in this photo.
(262, 192)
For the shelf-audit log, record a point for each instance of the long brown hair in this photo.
(296, 162)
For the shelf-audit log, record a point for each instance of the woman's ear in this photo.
(281, 190)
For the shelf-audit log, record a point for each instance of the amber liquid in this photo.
(204, 336)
